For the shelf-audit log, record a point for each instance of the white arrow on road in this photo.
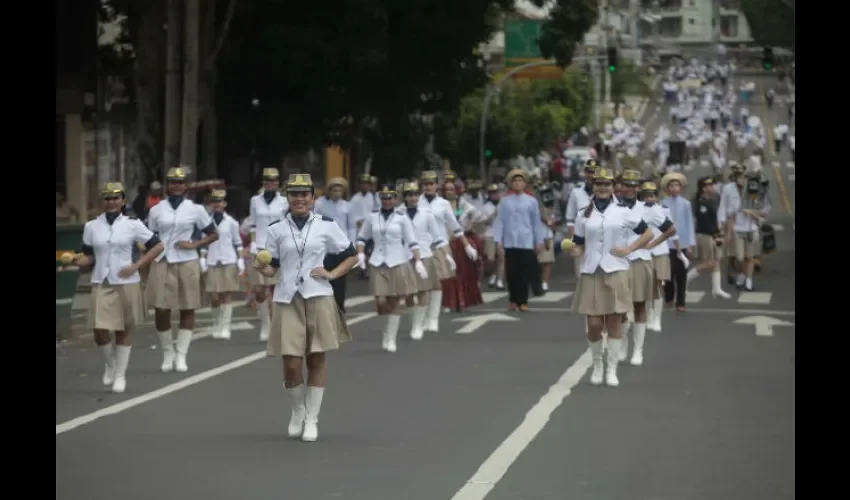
(476, 322)
(763, 324)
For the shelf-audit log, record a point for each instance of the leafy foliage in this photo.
(628, 80)
(771, 22)
(568, 21)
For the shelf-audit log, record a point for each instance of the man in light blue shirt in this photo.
(682, 216)
(342, 212)
(518, 233)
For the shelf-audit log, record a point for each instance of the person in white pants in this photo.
(222, 263)
(116, 300)
(391, 277)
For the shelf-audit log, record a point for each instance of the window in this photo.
(691, 21)
(670, 27)
(729, 26)
(730, 4)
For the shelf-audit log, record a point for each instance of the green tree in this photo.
(564, 31)
(628, 80)
(771, 22)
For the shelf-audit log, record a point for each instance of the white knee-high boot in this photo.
(417, 321)
(166, 343)
(432, 318)
(265, 319)
(122, 359)
(613, 358)
(657, 308)
(624, 344)
(184, 339)
(226, 318)
(299, 410)
(596, 351)
(390, 332)
(108, 351)
(640, 336)
(216, 326)
(313, 402)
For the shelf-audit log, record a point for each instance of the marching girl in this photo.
(306, 322)
(641, 266)
(660, 257)
(266, 207)
(580, 198)
(174, 281)
(495, 261)
(429, 235)
(708, 236)
(603, 293)
(549, 219)
(117, 303)
(464, 289)
(391, 278)
(446, 265)
(222, 263)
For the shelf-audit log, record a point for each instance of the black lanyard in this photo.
(300, 251)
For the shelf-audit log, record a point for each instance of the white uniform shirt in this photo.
(743, 222)
(177, 225)
(442, 210)
(578, 200)
(299, 251)
(113, 247)
(394, 237)
(222, 252)
(426, 231)
(602, 233)
(263, 214)
(727, 196)
(653, 218)
(488, 211)
(363, 205)
(662, 249)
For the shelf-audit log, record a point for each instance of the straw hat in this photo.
(338, 181)
(673, 176)
(516, 172)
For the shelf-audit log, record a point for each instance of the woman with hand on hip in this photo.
(117, 302)
(175, 276)
(429, 235)
(307, 323)
(391, 277)
(223, 263)
(602, 293)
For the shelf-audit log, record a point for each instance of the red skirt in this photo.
(464, 290)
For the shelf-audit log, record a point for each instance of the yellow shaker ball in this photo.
(567, 244)
(264, 257)
(67, 258)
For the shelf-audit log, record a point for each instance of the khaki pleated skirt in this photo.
(642, 280)
(174, 286)
(444, 270)
(707, 248)
(395, 281)
(601, 293)
(490, 249)
(547, 256)
(116, 307)
(661, 263)
(306, 326)
(433, 280)
(220, 279)
(256, 278)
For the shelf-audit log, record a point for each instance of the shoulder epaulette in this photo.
(273, 223)
(327, 219)
(375, 211)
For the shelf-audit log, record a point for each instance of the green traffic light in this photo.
(488, 153)
(767, 65)
(612, 68)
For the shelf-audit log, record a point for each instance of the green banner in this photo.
(521, 36)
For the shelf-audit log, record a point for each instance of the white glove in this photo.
(240, 264)
(361, 260)
(471, 252)
(420, 269)
(253, 248)
(451, 261)
(203, 264)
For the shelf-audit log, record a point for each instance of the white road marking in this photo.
(497, 464)
(358, 300)
(778, 227)
(689, 167)
(790, 164)
(171, 388)
(708, 310)
(487, 297)
(551, 297)
(760, 298)
(792, 177)
(693, 297)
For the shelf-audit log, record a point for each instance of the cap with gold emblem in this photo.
(338, 181)
(271, 174)
(590, 166)
(374, 180)
(603, 175)
(299, 183)
(449, 176)
(364, 178)
(218, 195)
(112, 190)
(428, 176)
(648, 187)
(475, 184)
(492, 188)
(387, 192)
(411, 187)
(175, 174)
(631, 177)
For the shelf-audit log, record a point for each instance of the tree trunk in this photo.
(172, 83)
(209, 139)
(189, 124)
(148, 69)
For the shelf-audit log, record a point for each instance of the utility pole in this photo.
(605, 27)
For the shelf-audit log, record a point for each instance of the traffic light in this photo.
(487, 153)
(612, 59)
(767, 58)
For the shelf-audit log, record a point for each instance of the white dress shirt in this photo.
(393, 236)
(426, 231)
(224, 251)
(602, 233)
(177, 225)
(112, 247)
(263, 214)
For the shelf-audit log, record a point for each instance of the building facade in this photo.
(694, 21)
